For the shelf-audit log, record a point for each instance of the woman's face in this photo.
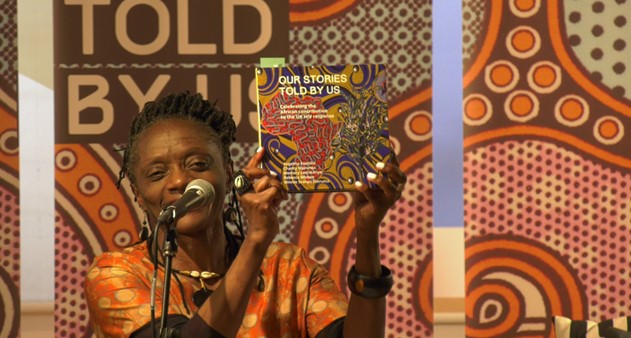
(169, 155)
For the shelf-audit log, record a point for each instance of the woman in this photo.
(259, 288)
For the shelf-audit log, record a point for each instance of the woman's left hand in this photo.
(261, 202)
(371, 205)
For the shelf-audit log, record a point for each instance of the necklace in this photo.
(204, 275)
(200, 296)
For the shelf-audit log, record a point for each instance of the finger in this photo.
(255, 180)
(393, 173)
(272, 196)
(381, 181)
(256, 159)
(255, 173)
(365, 194)
(270, 181)
(263, 183)
(391, 170)
(276, 182)
(362, 188)
(393, 158)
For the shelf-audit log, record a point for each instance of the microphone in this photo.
(197, 192)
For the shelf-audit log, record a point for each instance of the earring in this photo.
(233, 208)
(230, 215)
(144, 230)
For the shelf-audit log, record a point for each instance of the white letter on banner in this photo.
(229, 45)
(201, 83)
(95, 100)
(87, 22)
(183, 44)
(163, 27)
(254, 115)
(132, 88)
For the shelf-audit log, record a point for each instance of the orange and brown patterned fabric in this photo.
(298, 300)
(547, 169)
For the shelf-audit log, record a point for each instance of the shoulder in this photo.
(128, 257)
(280, 251)
(131, 261)
(289, 258)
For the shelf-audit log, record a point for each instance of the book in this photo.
(323, 127)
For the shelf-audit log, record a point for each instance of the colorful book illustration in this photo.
(323, 127)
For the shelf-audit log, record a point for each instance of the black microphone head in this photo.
(203, 188)
(196, 193)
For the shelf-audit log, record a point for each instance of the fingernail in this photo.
(358, 184)
(259, 149)
(371, 176)
(273, 173)
(380, 165)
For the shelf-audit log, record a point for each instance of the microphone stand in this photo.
(170, 249)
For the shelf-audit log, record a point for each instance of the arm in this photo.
(222, 314)
(224, 311)
(366, 316)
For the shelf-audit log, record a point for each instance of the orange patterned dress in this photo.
(299, 298)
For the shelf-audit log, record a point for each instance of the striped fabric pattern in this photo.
(567, 328)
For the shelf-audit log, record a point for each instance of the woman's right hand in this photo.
(224, 311)
(261, 202)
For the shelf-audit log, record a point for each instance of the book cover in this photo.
(323, 127)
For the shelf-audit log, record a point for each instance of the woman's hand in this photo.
(262, 201)
(371, 205)
(366, 316)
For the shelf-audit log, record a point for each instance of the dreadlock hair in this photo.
(220, 127)
(184, 106)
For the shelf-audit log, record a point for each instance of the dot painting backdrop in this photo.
(9, 174)
(92, 216)
(547, 116)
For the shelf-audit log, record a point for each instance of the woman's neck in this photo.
(205, 251)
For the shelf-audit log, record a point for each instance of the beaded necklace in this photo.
(200, 296)
(204, 275)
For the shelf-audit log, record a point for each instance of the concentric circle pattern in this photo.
(521, 106)
(547, 202)
(513, 286)
(9, 142)
(523, 42)
(519, 55)
(572, 207)
(571, 110)
(477, 109)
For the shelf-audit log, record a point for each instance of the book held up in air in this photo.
(323, 127)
